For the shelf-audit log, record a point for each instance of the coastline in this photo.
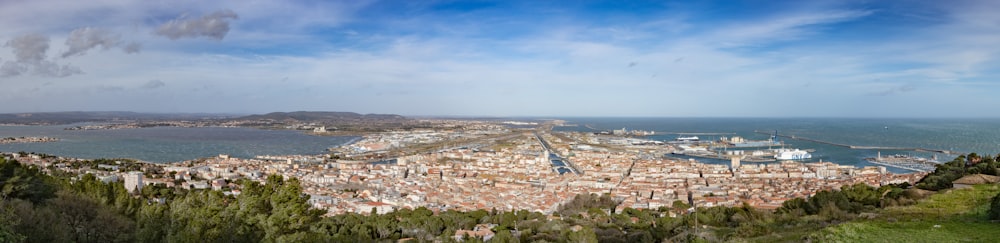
(172, 144)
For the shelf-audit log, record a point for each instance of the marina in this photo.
(905, 162)
(864, 147)
(762, 155)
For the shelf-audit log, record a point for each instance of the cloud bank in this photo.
(83, 39)
(213, 26)
(523, 58)
(29, 48)
(30, 54)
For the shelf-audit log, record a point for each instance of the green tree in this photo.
(24, 182)
(291, 215)
(40, 223)
(152, 223)
(994, 212)
(90, 221)
(504, 236)
(8, 221)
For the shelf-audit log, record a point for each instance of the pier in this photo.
(905, 162)
(698, 133)
(862, 147)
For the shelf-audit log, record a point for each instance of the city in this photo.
(478, 121)
(500, 168)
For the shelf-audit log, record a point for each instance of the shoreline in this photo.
(24, 139)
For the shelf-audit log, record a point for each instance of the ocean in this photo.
(169, 144)
(981, 136)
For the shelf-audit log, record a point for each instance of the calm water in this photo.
(962, 135)
(168, 144)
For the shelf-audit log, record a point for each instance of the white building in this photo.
(133, 181)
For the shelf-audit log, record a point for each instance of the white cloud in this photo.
(83, 39)
(30, 48)
(781, 28)
(213, 26)
(556, 67)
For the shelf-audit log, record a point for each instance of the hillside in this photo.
(322, 116)
(956, 215)
(68, 117)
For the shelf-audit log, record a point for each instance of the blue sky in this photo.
(504, 58)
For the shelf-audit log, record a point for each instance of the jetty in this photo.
(698, 133)
(862, 147)
(905, 162)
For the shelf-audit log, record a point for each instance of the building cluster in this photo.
(9, 140)
(382, 142)
(519, 175)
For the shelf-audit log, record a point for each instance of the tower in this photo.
(133, 181)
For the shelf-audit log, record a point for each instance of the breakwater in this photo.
(862, 147)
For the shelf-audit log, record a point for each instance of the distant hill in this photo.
(53, 118)
(324, 117)
(56, 118)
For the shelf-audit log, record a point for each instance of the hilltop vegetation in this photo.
(953, 216)
(961, 166)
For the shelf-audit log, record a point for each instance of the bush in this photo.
(995, 208)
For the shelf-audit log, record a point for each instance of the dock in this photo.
(698, 133)
(862, 147)
(905, 162)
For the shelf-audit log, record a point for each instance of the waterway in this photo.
(169, 144)
(961, 135)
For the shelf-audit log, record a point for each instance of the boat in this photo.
(740, 142)
(792, 155)
(688, 139)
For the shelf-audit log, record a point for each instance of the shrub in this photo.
(994, 212)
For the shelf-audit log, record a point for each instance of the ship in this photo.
(908, 162)
(688, 139)
(740, 142)
(796, 154)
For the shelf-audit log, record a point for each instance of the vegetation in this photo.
(40, 208)
(994, 212)
(961, 166)
(954, 216)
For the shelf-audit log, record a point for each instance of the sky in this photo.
(504, 58)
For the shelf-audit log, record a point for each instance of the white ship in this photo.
(796, 154)
(688, 139)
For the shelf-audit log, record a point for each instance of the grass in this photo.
(957, 215)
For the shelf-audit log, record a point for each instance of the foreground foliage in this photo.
(958, 215)
(961, 166)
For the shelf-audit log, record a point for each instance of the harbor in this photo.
(907, 162)
(949, 152)
(726, 148)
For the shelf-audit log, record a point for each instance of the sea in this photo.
(169, 144)
(980, 136)
(173, 144)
